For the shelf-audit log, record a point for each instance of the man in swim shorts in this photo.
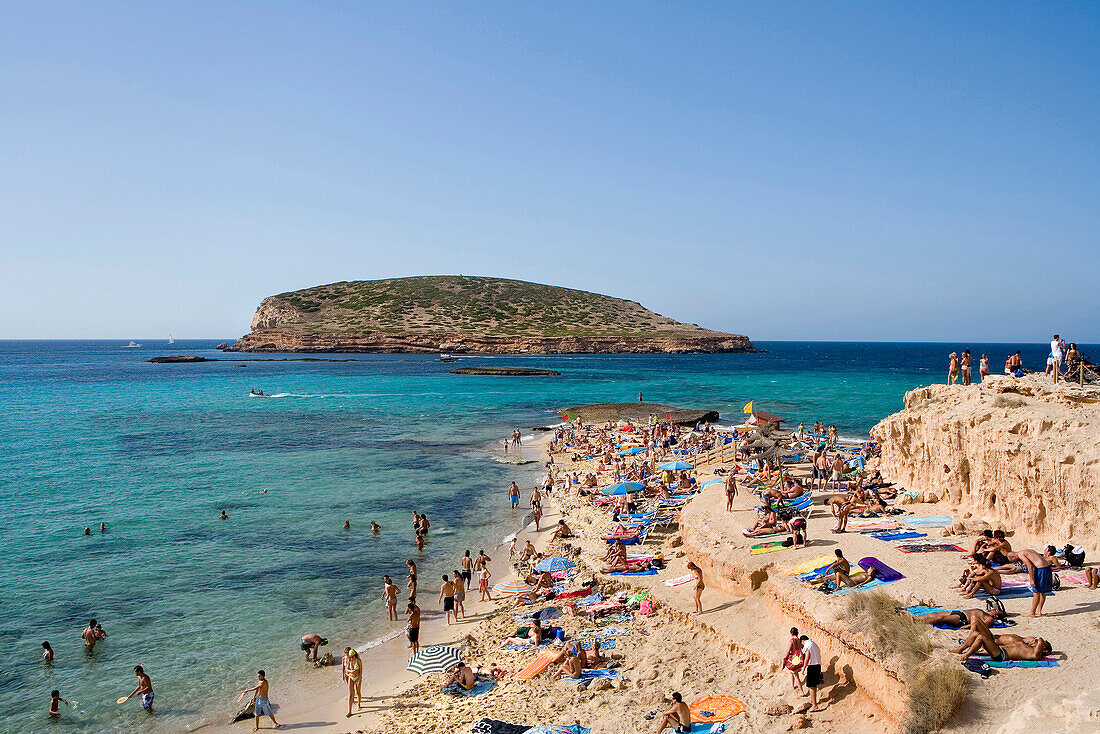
(1040, 575)
(312, 643)
(144, 688)
(958, 618)
(1001, 647)
(678, 717)
(412, 630)
(447, 596)
(261, 705)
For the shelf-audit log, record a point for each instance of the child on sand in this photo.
(483, 577)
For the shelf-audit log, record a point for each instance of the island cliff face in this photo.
(1021, 454)
(469, 315)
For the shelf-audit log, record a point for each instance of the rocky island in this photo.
(471, 315)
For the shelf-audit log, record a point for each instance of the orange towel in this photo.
(717, 708)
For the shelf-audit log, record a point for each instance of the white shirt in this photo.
(1055, 348)
(812, 652)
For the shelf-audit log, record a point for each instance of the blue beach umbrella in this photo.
(675, 466)
(716, 480)
(554, 564)
(635, 450)
(622, 488)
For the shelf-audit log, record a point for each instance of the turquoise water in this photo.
(90, 433)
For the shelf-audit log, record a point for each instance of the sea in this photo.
(91, 432)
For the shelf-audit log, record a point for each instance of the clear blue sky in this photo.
(792, 170)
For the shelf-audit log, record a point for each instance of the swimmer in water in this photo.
(223, 516)
(347, 524)
(89, 634)
(55, 699)
(47, 652)
(87, 531)
(103, 527)
(375, 527)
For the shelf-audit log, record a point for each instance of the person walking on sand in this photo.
(389, 596)
(412, 630)
(354, 672)
(699, 586)
(536, 515)
(731, 490)
(467, 568)
(144, 689)
(260, 704)
(460, 594)
(812, 655)
(447, 596)
(795, 660)
(483, 576)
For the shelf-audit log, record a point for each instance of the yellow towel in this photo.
(807, 566)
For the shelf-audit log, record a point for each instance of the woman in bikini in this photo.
(699, 586)
(354, 674)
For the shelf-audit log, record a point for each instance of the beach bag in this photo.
(645, 608)
(993, 604)
(794, 660)
(1074, 555)
(1055, 582)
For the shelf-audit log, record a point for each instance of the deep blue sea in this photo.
(91, 433)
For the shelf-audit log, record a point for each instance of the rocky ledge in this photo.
(279, 340)
(179, 359)
(603, 412)
(503, 371)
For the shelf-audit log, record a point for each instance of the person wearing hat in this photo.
(312, 643)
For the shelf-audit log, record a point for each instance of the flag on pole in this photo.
(747, 408)
(565, 417)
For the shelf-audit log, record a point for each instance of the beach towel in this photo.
(891, 536)
(868, 525)
(940, 521)
(606, 643)
(539, 664)
(593, 674)
(808, 566)
(1009, 593)
(680, 580)
(558, 729)
(606, 632)
(1067, 578)
(869, 585)
(769, 548)
(1047, 662)
(493, 726)
(717, 728)
(711, 709)
(883, 572)
(650, 572)
(480, 687)
(575, 594)
(918, 610)
(930, 548)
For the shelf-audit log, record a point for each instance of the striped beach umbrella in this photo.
(434, 659)
(716, 480)
(622, 488)
(675, 466)
(554, 564)
(519, 586)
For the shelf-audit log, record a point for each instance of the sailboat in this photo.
(171, 340)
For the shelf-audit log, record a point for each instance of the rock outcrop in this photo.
(639, 412)
(1022, 454)
(504, 371)
(471, 315)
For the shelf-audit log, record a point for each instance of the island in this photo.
(469, 315)
(503, 371)
(639, 413)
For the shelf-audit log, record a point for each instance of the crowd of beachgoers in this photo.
(1063, 362)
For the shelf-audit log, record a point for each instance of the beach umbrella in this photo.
(675, 466)
(635, 450)
(434, 659)
(622, 488)
(519, 586)
(554, 564)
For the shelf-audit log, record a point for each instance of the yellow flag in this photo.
(748, 407)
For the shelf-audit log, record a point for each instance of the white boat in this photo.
(171, 340)
(447, 358)
(131, 345)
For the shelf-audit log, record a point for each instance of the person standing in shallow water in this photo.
(389, 596)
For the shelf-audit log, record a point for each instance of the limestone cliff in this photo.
(471, 315)
(1023, 454)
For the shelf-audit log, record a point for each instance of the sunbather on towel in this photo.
(678, 717)
(1001, 647)
(573, 665)
(463, 676)
(532, 635)
(626, 566)
(621, 531)
(616, 554)
(958, 618)
(840, 572)
(767, 525)
(981, 578)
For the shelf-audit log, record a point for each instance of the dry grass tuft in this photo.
(937, 684)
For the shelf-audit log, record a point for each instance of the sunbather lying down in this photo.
(468, 677)
(573, 655)
(957, 618)
(1001, 647)
(626, 567)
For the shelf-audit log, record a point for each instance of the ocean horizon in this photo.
(94, 433)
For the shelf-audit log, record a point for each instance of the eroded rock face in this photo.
(1017, 453)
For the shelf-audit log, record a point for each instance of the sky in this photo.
(820, 171)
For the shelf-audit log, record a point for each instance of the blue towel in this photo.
(480, 687)
(892, 535)
(650, 572)
(868, 585)
(1021, 592)
(717, 728)
(593, 674)
(606, 643)
(917, 610)
(1018, 663)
